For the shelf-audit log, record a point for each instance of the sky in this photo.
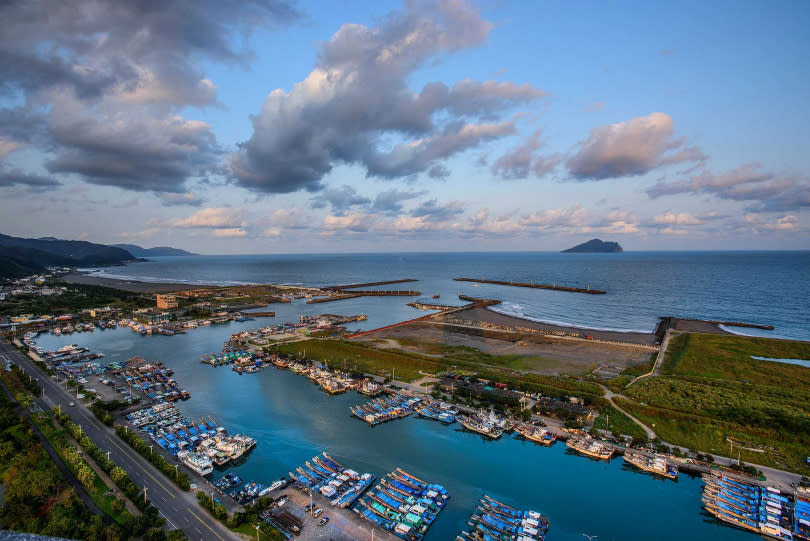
(270, 126)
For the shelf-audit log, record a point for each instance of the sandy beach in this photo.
(128, 285)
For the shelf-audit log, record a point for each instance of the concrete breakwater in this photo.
(369, 293)
(553, 287)
(369, 284)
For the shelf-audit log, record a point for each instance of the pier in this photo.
(369, 284)
(553, 287)
(368, 293)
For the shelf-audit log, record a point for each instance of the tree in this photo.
(85, 476)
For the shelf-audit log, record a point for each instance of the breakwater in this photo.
(553, 287)
(369, 284)
(369, 293)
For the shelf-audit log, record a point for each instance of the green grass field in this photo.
(711, 390)
(613, 420)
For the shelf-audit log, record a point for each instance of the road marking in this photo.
(141, 467)
(204, 524)
(169, 521)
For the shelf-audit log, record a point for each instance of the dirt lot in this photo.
(539, 354)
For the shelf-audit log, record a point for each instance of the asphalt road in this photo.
(180, 508)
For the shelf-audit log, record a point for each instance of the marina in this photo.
(764, 510)
(387, 408)
(403, 504)
(493, 520)
(467, 460)
(324, 475)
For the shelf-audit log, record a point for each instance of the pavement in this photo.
(180, 508)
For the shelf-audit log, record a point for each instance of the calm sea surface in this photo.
(759, 287)
(292, 420)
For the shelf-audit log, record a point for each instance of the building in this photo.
(152, 317)
(166, 302)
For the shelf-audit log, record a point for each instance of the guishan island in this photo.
(440, 270)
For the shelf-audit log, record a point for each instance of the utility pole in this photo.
(176, 474)
(144, 494)
(257, 532)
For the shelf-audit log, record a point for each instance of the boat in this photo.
(482, 425)
(591, 447)
(655, 464)
(197, 462)
(281, 483)
(536, 434)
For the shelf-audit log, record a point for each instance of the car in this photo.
(308, 507)
(324, 521)
(317, 511)
(71, 403)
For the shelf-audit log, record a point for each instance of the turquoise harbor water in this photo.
(292, 420)
(758, 287)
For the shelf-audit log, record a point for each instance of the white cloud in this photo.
(213, 217)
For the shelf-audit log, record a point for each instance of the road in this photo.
(659, 359)
(180, 508)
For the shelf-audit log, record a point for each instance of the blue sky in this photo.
(443, 125)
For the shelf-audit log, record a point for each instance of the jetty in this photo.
(553, 287)
(366, 293)
(368, 284)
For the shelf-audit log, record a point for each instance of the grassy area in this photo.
(613, 420)
(365, 358)
(713, 390)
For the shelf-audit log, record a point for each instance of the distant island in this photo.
(595, 246)
(157, 251)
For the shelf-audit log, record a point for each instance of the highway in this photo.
(180, 508)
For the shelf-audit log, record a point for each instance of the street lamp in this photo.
(257, 532)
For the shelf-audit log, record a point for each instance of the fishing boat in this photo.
(197, 462)
(536, 434)
(482, 425)
(655, 464)
(591, 448)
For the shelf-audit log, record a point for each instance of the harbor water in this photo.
(292, 420)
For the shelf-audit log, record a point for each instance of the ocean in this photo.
(770, 288)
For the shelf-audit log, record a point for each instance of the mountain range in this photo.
(21, 257)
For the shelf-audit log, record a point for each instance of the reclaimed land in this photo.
(369, 359)
(534, 353)
(710, 389)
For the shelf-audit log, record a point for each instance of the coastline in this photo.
(133, 286)
(487, 315)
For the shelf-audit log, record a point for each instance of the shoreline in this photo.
(132, 286)
(487, 315)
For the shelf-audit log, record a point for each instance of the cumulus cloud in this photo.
(356, 222)
(229, 232)
(339, 199)
(757, 222)
(171, 199)
(481, 223)
(7, 146)
(149, 52)
(213, 217)
(122, 147)
(676, 218)
(433, 211)
(16, 177)
(356, 105)
(103, 81)
(522, 161)
(630, 148)
(391, 201)
(573, 216)
(763, 190)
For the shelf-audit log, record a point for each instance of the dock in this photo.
(553, 287)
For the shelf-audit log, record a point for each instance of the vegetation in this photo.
(616, 422)
(39, 500)
(77, 297)
(243, 522)
(712, 391)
